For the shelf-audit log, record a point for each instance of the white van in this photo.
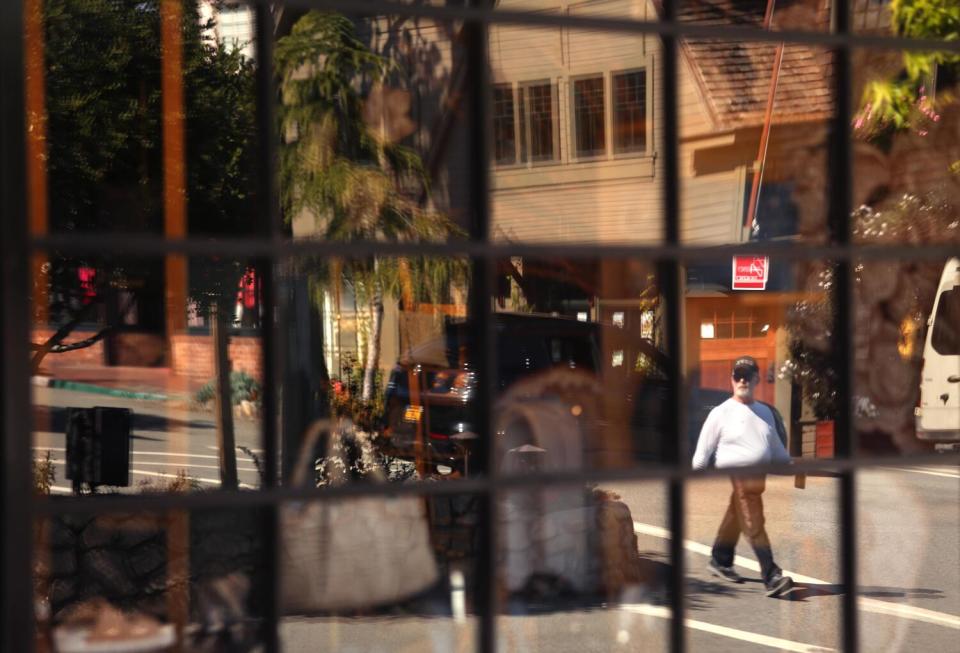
(938, 415)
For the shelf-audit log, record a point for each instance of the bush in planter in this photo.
(243, 387)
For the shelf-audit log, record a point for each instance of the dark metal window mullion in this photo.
(613, 24)
(272, 229)
(841, 174)
(482, 327)
(16, 597)
(132, 245)
(675, 453)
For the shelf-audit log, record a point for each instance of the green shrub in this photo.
(243, 387)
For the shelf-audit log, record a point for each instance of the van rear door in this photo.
(939, 414)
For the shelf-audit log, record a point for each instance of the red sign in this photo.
(750, 272)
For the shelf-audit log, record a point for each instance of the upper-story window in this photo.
(588, 116)
(504, 125)
(630, 112)
(538, 125)
(610, 114)
(525, 123)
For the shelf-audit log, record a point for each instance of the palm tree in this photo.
(345, 173)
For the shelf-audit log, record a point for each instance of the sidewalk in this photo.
(146, 383)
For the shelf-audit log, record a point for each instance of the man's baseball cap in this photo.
(747, 364)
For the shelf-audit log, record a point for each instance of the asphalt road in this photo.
(167, 439)
(909, 558)
(909, 574)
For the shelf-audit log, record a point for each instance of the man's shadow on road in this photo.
(803, 591)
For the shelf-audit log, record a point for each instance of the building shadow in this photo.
(54, 419)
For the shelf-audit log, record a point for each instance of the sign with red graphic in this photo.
(750, 272)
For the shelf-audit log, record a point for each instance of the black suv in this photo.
(429, 407)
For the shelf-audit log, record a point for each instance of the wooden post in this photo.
(224, 405)
(174, 164)
(175, 276)
(178, 572)
(36, 145)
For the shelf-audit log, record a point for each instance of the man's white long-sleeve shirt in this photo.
(737, 434)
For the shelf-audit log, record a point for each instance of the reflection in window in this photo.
(588, 116)
(630, 112)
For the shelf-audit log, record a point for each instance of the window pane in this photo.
(524, 113)
(380, 574)
(582, 365)
(373, 138)
(790, 345)
(724, 329)
(625, 9)
(151, 581)
(945, 339)
(589, 116)
(504, 126)
(871, 16)
(543, 125)
(770, 182)
(908, 557)
(584, 568)
(570, 193)
(754, 527)
(375, 363)
(785, 16)
(630, 112)
(123, 139)
(906, 360)
(134, 390)
(906, 131)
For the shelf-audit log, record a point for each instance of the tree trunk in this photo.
(223, 400)
(373, 347)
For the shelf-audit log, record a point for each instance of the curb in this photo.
(79, 386)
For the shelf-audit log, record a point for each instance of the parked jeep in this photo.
(430, 398)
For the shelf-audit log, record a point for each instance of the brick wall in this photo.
(92, 355)
(193, 355)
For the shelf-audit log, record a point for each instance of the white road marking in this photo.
(256, 451)
(941, 471)
(866, 604)
(725, 631)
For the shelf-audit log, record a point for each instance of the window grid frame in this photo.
(603, 153)
(510, 90)
(525, 108)
(614, 146)
(20, 507)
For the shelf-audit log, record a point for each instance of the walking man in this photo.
(743, 431)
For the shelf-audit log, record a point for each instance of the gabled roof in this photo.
(735, 76)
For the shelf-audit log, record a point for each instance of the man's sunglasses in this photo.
(739, 375)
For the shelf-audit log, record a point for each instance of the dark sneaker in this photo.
(778, 584)
(727, 573)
